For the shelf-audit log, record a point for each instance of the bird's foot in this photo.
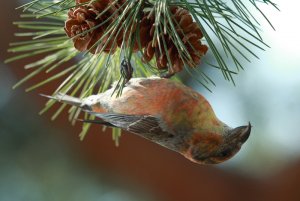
(126, 70)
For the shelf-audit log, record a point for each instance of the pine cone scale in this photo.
(89, 20)
(82, 43)
(88, 26)
(187, 31)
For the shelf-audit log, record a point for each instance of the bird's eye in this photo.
(224, 153)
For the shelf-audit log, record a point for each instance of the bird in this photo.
(168, 113)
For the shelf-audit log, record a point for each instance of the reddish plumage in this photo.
(168, 113)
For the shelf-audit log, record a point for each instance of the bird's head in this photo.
(216, 148)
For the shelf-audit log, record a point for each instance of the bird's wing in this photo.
(139, 124)
(97, 121)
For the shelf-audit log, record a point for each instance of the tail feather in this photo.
(65, 99)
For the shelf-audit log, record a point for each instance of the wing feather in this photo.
(139, 124)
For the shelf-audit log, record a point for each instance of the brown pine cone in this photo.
(189, 33)
(83, 18)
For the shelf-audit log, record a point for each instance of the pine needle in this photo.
(232, 24)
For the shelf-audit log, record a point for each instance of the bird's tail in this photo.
(65, 99)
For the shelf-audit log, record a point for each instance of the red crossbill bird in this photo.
(168, 113)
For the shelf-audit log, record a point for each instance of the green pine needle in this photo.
(229, 23)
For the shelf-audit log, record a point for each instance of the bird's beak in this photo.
(242, 133)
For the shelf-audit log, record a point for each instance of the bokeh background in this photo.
(43, 160)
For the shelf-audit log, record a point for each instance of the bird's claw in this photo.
(126, 70)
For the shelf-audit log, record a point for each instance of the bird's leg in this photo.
(126, 70)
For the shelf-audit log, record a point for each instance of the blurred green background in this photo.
(38, 163)
(43, 160)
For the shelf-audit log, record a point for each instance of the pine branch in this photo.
(231, 24)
